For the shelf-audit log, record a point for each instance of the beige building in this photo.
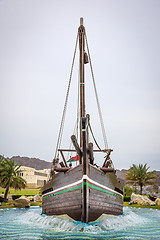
(34, 178)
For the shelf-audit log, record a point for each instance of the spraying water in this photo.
(30, 224)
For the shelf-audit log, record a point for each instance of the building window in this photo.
(40, 174)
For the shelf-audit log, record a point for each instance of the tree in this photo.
(128, 191)
(137, 174)
(9, 175)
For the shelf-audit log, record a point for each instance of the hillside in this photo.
(42, 164)
(32, 162)
(121, 175)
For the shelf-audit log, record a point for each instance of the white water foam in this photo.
(35, 219)
(130, 219)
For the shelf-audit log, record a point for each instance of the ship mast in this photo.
(81, 32)
(83, 125)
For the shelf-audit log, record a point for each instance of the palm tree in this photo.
(9, 175)
(137, 174)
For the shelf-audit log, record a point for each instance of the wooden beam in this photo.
(85, 187)
(73, 150)
(63, 158)
(67, 150)
(90, 152)
(62, 169)
(104, 169)
(107, 157)
(76, 145)
(97, 150)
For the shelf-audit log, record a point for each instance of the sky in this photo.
(37, 40)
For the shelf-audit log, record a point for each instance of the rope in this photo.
(94, 137)
(78, 103)
(71, 145)
(96, 94)
(65, 105)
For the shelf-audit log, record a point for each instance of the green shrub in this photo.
(127, 199)
(14, 197)
(128, 191)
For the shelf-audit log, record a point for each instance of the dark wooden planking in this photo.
(108, 179)
(65, 198)
(65, 203)
(70, 202)
(62, 179)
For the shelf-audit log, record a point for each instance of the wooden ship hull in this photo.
(65, 196)
(86, 191)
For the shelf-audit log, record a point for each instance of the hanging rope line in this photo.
(97, 100)
(78, 103)
(66, 102)
(76, 128)
(94, 137)
(71, 144)
(65, 105)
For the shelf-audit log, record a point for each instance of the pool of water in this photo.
(28, 224)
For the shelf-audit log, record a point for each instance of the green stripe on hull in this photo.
(100, 189)
(80, 186)
(63, 191)
(69, 189)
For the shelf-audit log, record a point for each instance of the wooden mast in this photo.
(81, 32)
(83, 125)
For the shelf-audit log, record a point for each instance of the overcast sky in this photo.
(37, 40)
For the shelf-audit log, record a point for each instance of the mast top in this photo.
(81, 21)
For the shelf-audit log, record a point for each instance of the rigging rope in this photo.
(94, 137)
(71, 144)
(65, 105)
(96, 94)
(75, 131)
(78, 103)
